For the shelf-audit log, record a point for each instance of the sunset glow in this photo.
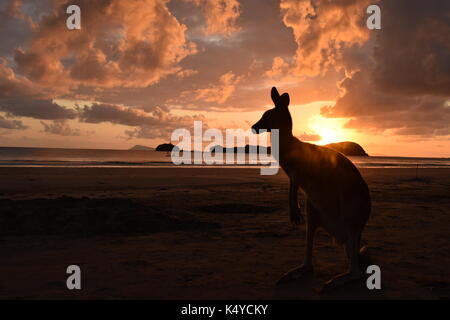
(137, 70)
(330, 130)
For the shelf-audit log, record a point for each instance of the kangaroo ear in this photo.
(284, 100)
(275, 96)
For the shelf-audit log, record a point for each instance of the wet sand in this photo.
(177, 233)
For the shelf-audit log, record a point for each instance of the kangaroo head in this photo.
(278, 117)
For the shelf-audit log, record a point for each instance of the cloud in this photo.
(322, 29)
(98, 113)
(279, 68)
(20, 97)
(155, 124)
(402, 83)
(186, 73)
(121, 43)
(412, 51)
(373, 110)
(10, 10)
(11, 85)
(403, 115)
(11, 124)
(83, 65)
(312, 137)
(60, 127)
(38, 109)
(216, 93)
(220, 16)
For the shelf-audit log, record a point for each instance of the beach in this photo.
(208, 233)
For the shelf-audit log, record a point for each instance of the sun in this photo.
(328, 136)
(330, 130)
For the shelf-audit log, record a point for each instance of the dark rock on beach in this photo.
(165, 147)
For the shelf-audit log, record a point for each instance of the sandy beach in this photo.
(179, 233)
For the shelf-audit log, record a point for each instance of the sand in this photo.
(178, 233)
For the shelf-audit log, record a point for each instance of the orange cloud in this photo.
(216, 93)
(10, 84)
(60, 127)
(121, 43)
(220, 15)
(11, 124)
(279, 68)
(186, 73)
(322, 28)
(158, 123)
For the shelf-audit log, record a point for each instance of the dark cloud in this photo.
(412, 50)
(14, 28)
(425, 116)
(219, 16)
(402, 81)
(38, 109)
(11, 85)
(158, 123)
(60, 127)
(98, 113)
(372, 109)
(11, 124)
(10, 10)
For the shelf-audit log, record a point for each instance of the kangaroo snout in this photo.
(256, 127)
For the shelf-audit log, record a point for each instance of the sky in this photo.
(139, 69)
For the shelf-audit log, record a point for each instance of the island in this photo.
(141, 148)
(347, 148)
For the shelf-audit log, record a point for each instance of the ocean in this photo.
(54, 157)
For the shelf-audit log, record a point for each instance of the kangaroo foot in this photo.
(295, 274)
(341, 280)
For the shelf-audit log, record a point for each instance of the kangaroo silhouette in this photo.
(338, 198)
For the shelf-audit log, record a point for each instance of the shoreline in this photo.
(159, 165)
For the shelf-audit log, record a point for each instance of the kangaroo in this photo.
(338, 198)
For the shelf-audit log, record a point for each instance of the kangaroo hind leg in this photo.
(307, 266)
(352, 248)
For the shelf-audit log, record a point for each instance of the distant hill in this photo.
(348, 148)
(141, 148)
(165, 147)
